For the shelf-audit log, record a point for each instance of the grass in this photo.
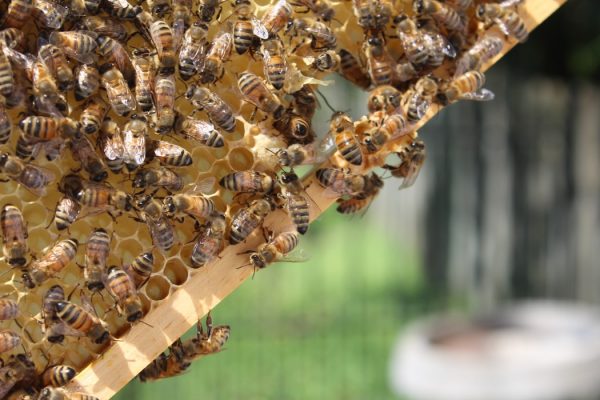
(316, 330)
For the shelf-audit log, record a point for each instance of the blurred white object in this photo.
(531, 351)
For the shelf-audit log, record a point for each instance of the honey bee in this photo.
(121, 100)
(122, 289)
(341, 182)
(101, 197)
(51, 263)
(218, 110)
(169, 153)
(114, 53)
(112, 145)
(58, 375)
(48, 14)
(341, 128)
(321, 36)
(482, 51)
(193, 50)
(210, 241)
(6, 74)
(140, 268)
(14, 235)
(313, 153)
(143, 22)
(202, 132)
(67, 211)
(32, 177)
(49, 315)
(13, 37)
(83, 151)
(181, 19)
(18, 13)
(190, 203)
(219, 53)
(57, 63)
(274, 250)
(161, 230)
(372, 15)
(92, 115)
(9, 309)
(87, 81)
(77, 45)
(164, 98)
(255, 91)
(508, 20)
(5, 122)
(420, 47)
(247, 219)
(134, 140)
(296, 204)
(387, 126)
(305, 102)
(319, 7)
(416, 102)
(379, 63)
(327, 61)
(158, 177)
(384, 98)
(275, 64)
(468, 86)
(249, 182)
(162, 37)
(295, 128)
(441, 12)
(121, 9)
(51, 393)
(361, 201)
(18, 370)
(80, 321)
(96, 256)
(275, 18)
(105, 27)
(38, 128)
(143, 64)
(413, 159)
(243, 27)
(207, 10)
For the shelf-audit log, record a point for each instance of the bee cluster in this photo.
(137, 140)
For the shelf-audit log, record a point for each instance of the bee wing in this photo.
(44, 105)
(297, 255)
(259, 29)
(503, 27)
(60, 328)
(53, 148)
(482, 94)
(44, 173)
(86, 304)
(510, 3)
(413, 173)
(113, 147)
(422, 108)
(325, 149)
(199, 129)
(206, 185)
(23, 61)
(135, 147)
(54, 14)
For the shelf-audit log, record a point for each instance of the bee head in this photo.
(288, 177)
(257, 261)
(168, 205)
(189, 93)
(3, 159)
(480, 11)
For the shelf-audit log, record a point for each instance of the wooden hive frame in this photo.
(209, 285)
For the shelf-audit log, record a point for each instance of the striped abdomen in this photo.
(348, 146)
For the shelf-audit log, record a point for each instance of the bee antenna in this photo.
(326, 101)
(145, 323)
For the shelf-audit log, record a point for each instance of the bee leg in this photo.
(253, 114)
(208, 324)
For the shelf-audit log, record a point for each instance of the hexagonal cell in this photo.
(175, 272)
(32, 331)
(203, 159)
(39, 240)
(128, 249)
(241, 159)
(157, 288)
(146, 303)
(35, 215)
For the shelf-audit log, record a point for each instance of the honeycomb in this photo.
(248, 146)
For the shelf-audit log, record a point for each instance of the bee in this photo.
(18, 13)
(162, 37)
(372, 15)
(193, 50)
(9, 309)
(361, 201)
(58, 375)
(77, 45)
(50, 393)
(169, 153)
(143, 64)
(87, 81)
(420, 47)
(13, 37)
(161, 230)
(122, 289)
(341, 128)
(248, 182)
(18, 370)
(319, 7)
(134, 140)
(295, 128)
(207, 9)
(243, 35)
(159, 8)
(96, 256)
(276, 249)
(379, 63)
(49, 315)
(120, 97)
(441, 12)
(384, 98)
(190, 203)
(112, 145)
(83, 151)
(158, 177)
(182, 15)
(48, 14)
(210, 241)
(164, 98)
(341, 182)
(313, 153)
(67, 211)
(275, 64)
(416, 102)
(468, 86)
(92, 115)
(32, 177)
(321, 36)
(327, 61)
(275, 19)
(413, 159)
(305, 102)
(202, 132)
(84, 7)
(509, 21)
(296, 204)
(255, 91)
(57, 63)
(51, 263)
(219, 53)
(14, 235)
(140, 268)
(219, 112)
(143, 22)
(247, 219)
(102, 197)
(388, 126)
(37, 128)
(114, 53)
(7, 80)
(5, 122)
(81, 321)
(105, 27)
(121, 9)
(486, 48)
